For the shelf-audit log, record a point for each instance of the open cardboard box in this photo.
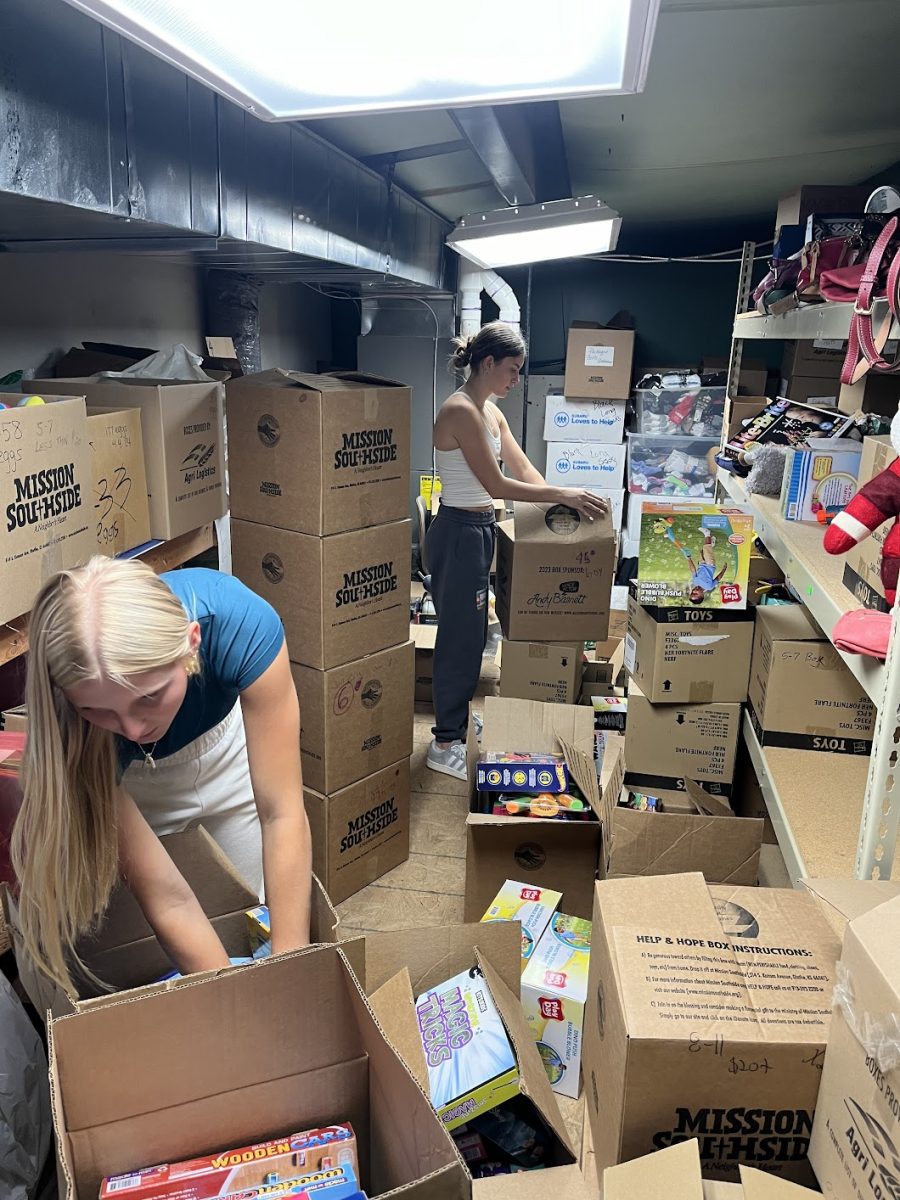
(603, 670)
(723, 847)
(674, 1174)
(125, 953)
(250, 1054)
(563, 855)
(394, 968)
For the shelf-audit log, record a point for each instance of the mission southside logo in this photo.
(370, 824)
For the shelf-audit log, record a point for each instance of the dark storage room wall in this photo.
(295, 327)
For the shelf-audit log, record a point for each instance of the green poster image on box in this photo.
(694, 555)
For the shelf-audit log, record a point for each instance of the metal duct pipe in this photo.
(232, 304)
(472, 282)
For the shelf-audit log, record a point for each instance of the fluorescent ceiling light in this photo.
(289, 60)
(537, 233)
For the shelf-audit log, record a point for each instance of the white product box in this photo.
(587, 420)
(532, 906)
(586, 464)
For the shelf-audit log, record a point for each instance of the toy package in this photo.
(471, 1064)
(508, 1139)
(511, 772)
(784, 423)
(560, 807)
(694, 554)
(554, 992)
(610, 712)
(531, 906)
(820, 479)
(259, 928)
(641, 802)
(333, 1183)
(315, 1158)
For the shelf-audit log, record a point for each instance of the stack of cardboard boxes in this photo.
(319, 500)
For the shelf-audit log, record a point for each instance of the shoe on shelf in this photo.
(479, 725)
(451, 761)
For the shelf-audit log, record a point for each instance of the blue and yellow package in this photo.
(554, 992)
(530, 905)
(471, 1065)
(513, 772)
(259, 929)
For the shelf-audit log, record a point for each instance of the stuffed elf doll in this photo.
(876, 502)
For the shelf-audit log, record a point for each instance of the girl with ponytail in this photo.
(471, 438)
(139, 691)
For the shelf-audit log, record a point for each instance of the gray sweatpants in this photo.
(459, 546)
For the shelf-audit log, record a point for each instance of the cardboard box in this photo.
(541, 671)
(424, 638)
(121, 507)
(356, 719)
(14, 719)
(554, 575)
(811, 389)
(862, 563)
(712, 839)
(396, 966)
(568, 420)
(339, 597)
(665, 744)
(743, 409)
(794, 208)
(857, 1126)
(554, 992)
(820, 480)
(821, 358)
(319, 454)
(694, 554)
(689, 655)
(125, 953)
(562, 855)
(708, 1011)
(45, 499)
(874, 393)
(598, 362)
(675, 1174)
(362, 832)
(801, 693)
(586, 464)
(183, 428)
(603, 671)
(333, 1064)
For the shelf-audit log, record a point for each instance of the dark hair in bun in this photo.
(495, 340)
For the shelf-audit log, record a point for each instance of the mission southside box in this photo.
(708, 1013)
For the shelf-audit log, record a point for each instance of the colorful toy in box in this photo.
(694, 554)
(296, 1158)
(554, 992)
(471, 1065)
(534, 773)
(642, 802)
(559, 807)
(331, 1183)
(820, 480)
(531, 906)
(783, 423)
(259, 929)
(610, 712)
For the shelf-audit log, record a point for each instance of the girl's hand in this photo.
(584, 502)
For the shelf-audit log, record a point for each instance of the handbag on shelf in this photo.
(819, 259)
(862, 283)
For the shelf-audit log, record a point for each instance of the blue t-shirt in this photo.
(704, 577)
(241, 635)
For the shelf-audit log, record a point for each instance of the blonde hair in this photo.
(109, 619)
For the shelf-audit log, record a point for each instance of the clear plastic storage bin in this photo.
(671, 466)
(685, 412)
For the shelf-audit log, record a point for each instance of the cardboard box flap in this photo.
(564, 1183)
(670, 1174)
(394, 1006)
(536, 728)
(851, 898)
(789, 623)
(584, 773)
(704, 802)
(533, 1078)
(424, 636)
(761, 1185)
(665, 843)
(212, 878)
(535, 522)
(365, 379)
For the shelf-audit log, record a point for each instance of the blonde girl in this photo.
(139, 691)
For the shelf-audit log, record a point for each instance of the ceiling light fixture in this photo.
(537, 232)
(285, 60)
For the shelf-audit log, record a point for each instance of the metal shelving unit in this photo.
(834, 815)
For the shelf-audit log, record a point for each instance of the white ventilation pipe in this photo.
(472, 282)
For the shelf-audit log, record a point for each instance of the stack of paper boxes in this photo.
(319, 500)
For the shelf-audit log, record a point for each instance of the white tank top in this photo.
(459, 484)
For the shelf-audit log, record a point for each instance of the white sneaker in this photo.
(451, 761)
(479, 726)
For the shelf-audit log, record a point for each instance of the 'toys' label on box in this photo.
(369, 824)
(741, 1135)
(366, 583)
(42, 496)
(366, 448)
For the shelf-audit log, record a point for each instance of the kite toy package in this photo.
(313, 1158)
(531, 906)
(694, 554)
(560, 807)
(532, 773)
(471, 1064)
(554, 992)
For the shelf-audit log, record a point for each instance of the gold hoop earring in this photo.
(192, 667)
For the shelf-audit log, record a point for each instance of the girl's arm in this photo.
(272, 722)
(516, 460)
(171, 908)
